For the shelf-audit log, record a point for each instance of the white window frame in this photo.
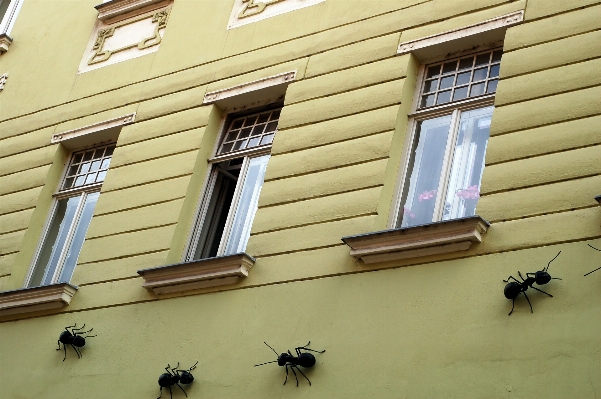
(61, 194)
(209, 185)
(418, 115)
(8, 21)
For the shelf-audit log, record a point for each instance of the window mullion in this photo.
(441, 193)
(67, 246)
(235, 203)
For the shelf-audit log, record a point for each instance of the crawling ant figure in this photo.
(173, 377)
(596, 268)
(516, 287)
(303, 359)
(74, 338)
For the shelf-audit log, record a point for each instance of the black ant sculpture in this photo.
(306, 360)
(173, 377)
(514, 288)
(596, 268)
(73, 338)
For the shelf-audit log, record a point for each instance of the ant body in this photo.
(596, 268)
(74, 338)
(303, 359)
(173, 377)
(516, 287)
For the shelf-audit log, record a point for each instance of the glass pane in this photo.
(101, 176)
(72, 170)
(91, 178)
(466, 63)
(263, 118)
(250, 120)
(443, 97)
(449, 67)
(272, 126)
(494, 71)
(109, 151)
(79, 181)
(460, 93)
(106, 163)
(492, 86)
(479, 74)
(245, 133)
(477, 90)
(433, 71)
(446, 82)
(88, 155)
(463, 189)
(237, 124)
(253, 142)
(267, 139)
(247, 205)
(430, 85)
(482, 59)
(257, 130)
(496, 56)
(54, 242)
(427, 100)
(463, 78)
(78, 237)
(424, 171)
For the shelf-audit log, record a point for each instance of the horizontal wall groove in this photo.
(538, 185)
(123, 257)
(25, 170)
(163, 135)
(130, 231)
(108, 281)
(29, 149)
(326, 169)
(492, 221)
(517, 75)
(332, 142)
(556, 39)
(347, 91)
(299, 250)
(12, 231)
(319, 196)
(542, 125)
(19, 191)
(153, 158)
(544, 154)
(5, 275)
(139, 207)
(9, 253)
(145, 183)
(314, 223)
(550, 95)
(339, 117)
(17, 211)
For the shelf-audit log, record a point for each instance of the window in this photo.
(73, 209)
(232, 194)
(450, 133)
(8, 13)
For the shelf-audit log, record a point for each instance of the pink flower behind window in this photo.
(426, 195)
(407, 212)
(471, 192)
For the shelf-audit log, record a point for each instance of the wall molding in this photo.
(501, 22)
(233, 91)
(34, 299)
(5, 42)
(114, 8)
(82, 131)
(3, 79)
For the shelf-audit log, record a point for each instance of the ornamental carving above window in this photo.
(248, 11)
(125, 36)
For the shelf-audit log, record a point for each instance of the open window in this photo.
(232, 193)
(8, 14)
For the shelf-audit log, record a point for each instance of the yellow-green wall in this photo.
(436, 329)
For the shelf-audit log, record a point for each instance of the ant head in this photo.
(542, 277)
(284, 358)
(79, 341)
(512, 290)
(186, 377)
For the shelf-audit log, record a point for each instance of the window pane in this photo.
(247, 205)
(463, 189)
(55, 240)
(78, 237)
(424, 171)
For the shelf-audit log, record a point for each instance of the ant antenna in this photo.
(271, 348)
(549, 264)
(273, 361)
(193, 367)
(594, 247)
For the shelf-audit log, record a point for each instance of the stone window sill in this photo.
(35, 299)
(414, 242)
(114, 8)
(5, 42)
(203, 273)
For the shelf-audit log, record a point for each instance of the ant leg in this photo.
(307, 349)
(170, 393)
(161, 393)
(531, 311)
(518, 281)
(542, 292)
(76, 351)
(512, 306)
(520, 274)
(299, 370)
(84, 332)
(592, 271)
(59, 345)
(292, 368)
(77, 329)
(286, 380)
(182, 389)
(65, 349)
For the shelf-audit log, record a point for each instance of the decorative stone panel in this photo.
(249, 11)
(127, 29)
(3, 78)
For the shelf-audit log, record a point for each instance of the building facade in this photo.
(204, 183)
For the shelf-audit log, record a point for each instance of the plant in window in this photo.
(232, 195)
(72, 212)
(450, 134)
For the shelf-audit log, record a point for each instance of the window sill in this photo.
(414, 242)
(203, 273)
(5, 42)
(34, 299)
(114, 8)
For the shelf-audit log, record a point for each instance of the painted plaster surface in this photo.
(434, 326)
